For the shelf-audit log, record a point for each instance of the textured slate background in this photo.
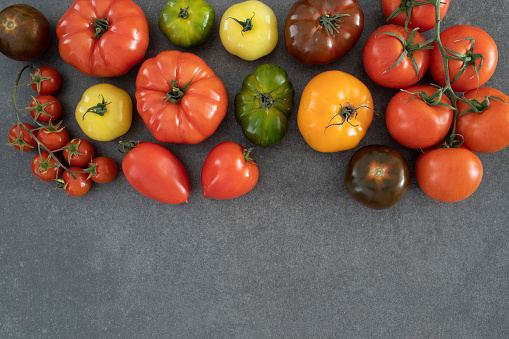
(294, 258)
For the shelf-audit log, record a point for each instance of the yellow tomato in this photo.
(335, 111)
(105, 112)
(249, 30)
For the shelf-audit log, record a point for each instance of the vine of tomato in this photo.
(422, 16)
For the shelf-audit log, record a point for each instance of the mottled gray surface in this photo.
(294, 258)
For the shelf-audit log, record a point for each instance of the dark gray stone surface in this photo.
(294, 258)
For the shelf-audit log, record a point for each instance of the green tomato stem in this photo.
(331, 23)
(100, 26)
(247, 24)
(184, 13)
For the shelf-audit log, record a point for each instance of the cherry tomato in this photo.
(422, 16)
(20, 138)
(45, 167)
(53, 137)
(228, 172)
(45, 108)
(448, 174)
(78, 152)
(102, 170)
(45, 80)
(79, 186)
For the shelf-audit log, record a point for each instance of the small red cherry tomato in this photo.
(78, 152)
(45, 80)
(53, 137)
(79, 186)
(45, 167)
(102, 170)
(422, 16)
(45, 108)
(20, 138)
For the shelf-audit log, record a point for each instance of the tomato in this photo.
(54, 137)
(78, 152)
(228, 172)
(25, 33)
(413, 122)
(335, 111)
(76, 187)
(377, 176)
(263, 105)
(381, 55)
(45, 167)
(105, 112)
(422, 16)
(102, 170)
(448, 174)
(45, 108)
(321, 31)
(45, 80)
(103, 38)
(458, 39)
(157, 173)
(21, 139)
(187, 23)
(487, 129)
(249, 30)
(179, 97)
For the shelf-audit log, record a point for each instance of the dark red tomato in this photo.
(485, 131)
(382, 51)
(54, 137)
(45, 108)
(24, 32)
(457, 39)
(79, 186)
(45, 167)
(377, 176)
(422, 16)
(21, 139)
(321, 31)
(157, 173)
(102, 170)
(228, 172)
(45, 80)
(78, 152)
(415, 124)
(448, 174)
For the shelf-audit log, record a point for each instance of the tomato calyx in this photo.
(247, 24)
(406, 7)
(73, 149)
(37, 79)
(125, 146)
(247, 156)
(50, 128)
(431, 100)
(39, 108)
(176, 93)
(19, 142)
(468, 59)
(331, 23)
(479, 107)
(45, 166)
(100, 26)
(347, 112)
(184, 13)
(99, 109)
(265, 99)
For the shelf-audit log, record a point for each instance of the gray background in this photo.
(294, 258)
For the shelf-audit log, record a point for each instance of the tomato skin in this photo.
(423, 16)
(105, 170)
(53, 138)
(381, 51)
(448, 174)
(45, 80)
(113, 53)
(452, 38)
(156, 173)
(226, 173)
(16, 131)
(414, 123)
(485, 132)
(43, 169)
(78, 152)
(46, 108)
(309, 42)
(25, 33)
(79, 186)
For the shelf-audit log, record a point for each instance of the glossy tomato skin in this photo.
(201, 108)
(19, 133)
(78, 152)
(381, 51)
(415, 124)
(453, 38)
(105, 170)
(488, 131)
(307, 38)
(45, 80)
(448, 174)
(25, 33)
(53, 137)
(156, 173)
(45, 169)
(122, 45)
(45, 108)
(423, 16)
(79, 186)
(228, 172)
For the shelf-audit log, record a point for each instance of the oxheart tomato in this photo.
(480, 58)
(102, 170)
(103, 38)
(45, 167)
(335, 111)
(228, 172)
(78, 152)
(53, 137)
(448, 174)
(157, 173)
(421, 15)
(414, 119)
(45, 80)
(377, 176)
(485, 130)
(21, 139)
(321, 31)
(179, 97)
(45, 108)
(78, 185)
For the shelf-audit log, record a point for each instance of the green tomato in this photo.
(187, 23)
(264, 104)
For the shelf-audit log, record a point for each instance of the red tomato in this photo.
(157, 173)
(453, 38)
(382, 51)
(45, 80)
(179, 97)
(228, 172)
(103, 38)
(45, 167)
(78, 152)
(45, 108)
(20, 138)
(448, 174)
(488, 130)
(422, 16)
(102, 170)
(53, 137)
(415, 124)
(79, 186)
